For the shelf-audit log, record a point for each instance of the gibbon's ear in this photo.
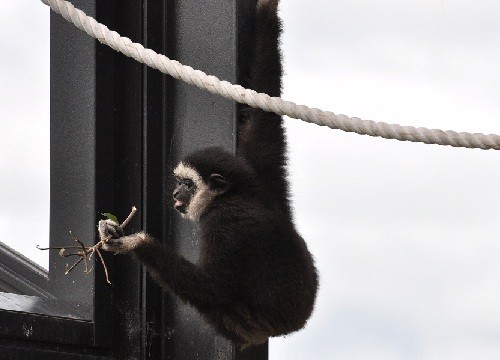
(219, 182)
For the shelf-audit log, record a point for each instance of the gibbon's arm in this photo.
(170, 270)
(261, 139)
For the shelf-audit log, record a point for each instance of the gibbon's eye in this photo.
(189, 183)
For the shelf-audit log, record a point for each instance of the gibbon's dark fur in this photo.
(255, 277)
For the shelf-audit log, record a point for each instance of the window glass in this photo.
(406, 236)
(24, 128)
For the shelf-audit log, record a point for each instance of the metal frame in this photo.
(67, 314)
(117, 129)
(20, 275)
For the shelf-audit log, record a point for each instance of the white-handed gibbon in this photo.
(255, 277)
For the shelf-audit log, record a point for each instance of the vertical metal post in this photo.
(214, 36)
(158, 121)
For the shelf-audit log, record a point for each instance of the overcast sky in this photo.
(24, 127)
(406, 236)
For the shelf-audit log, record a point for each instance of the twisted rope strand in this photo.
(264, 101)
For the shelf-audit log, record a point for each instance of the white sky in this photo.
(24, 127)
(406, 236)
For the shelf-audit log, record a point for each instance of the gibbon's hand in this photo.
(119, 243)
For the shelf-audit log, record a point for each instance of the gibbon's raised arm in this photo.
(261, 139)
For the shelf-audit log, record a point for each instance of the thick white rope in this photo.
(264, 101)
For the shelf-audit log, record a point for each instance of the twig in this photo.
(104, 265)
(74, 265)
(85, 252)
(129, 217)
(58, 247)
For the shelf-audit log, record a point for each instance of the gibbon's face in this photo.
(183, 193)
(192, 194)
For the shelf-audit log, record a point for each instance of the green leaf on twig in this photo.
(111, 217)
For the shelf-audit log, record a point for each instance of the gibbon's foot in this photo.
(109, 228)
(118, 244)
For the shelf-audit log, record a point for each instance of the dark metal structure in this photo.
(117, 129)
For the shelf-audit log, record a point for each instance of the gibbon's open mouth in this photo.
(180, 206)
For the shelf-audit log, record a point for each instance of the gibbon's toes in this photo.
(117, 246)
(115, 231)
(114, 242)
(124, 244)
(113, 245)
(109, 228)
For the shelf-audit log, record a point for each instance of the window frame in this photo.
(117, 129)
(51, 307)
